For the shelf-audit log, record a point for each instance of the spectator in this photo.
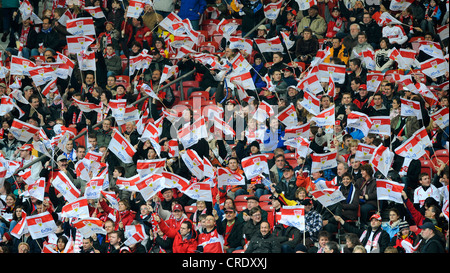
(306, 47)
(315, 22)
(263, 241)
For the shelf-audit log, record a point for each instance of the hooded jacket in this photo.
(187, 244)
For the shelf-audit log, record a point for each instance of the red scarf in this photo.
(24, 35)
(109, 56)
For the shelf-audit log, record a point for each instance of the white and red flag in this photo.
(222, 126)
(400, 5)
(431, 48)
(255, 165)
(36, 189)
(389, 190)
(191, 134)
(325, 118)
(240, 64)
(321, 162)
(26, 9)
(76, 209)
(86, 60)
(118, 108)
(293, 216)
(169, 72)
(193, 162)
(200, 191)
(150, 166)
(245, 80)
(112, 199)
(150, 185)
(434, 67)
(382, 159)
(269, 45)
(407, 82)
(20, 66)
(271, 10)
(94, 187)
(374, 80)
(88, 106)
(386, 18)
(297, 131)
(76, 44)
(128, 183)
(23, 131)
(67, 15)
(42, 74)
(288, 116)
(287, 42)
(411, 148)
(336, 71)
(359, 121)
(121, 147)
(311, 103)
(80, 26)
(263, 112)
(168, 22)
(62, 184)
(89, 226)
(172, 180)
(300, 144)
(306, 4)
(328, 197)
(241, 44)
(227, 177)
(95, 12)
(364, 152)
(410, 108)
(441, 117)
(134, 234)
(183, 51)
(311, 83)
(21, 227)
(226, 28)
(40, 225)
(135, 9)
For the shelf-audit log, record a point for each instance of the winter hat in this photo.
(402, 225)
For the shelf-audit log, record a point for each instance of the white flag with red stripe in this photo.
(434, 67)
(172, 180)
(112, 199)
(374, 80)
(41, 225)
(150, 184)
(89, 226)
(121, 147)
(269, 45)
(255, 165)
(76, 44)
(411, 148)
(150, 166)
(223, 127)
(193, 162)
(200, 191)
(80, 26)
(293, 216)
(21, 227)
(288, 116)
(325, 118)
(327, 70)
(76, 209)
(42, 74)
(86, 60)
(400, 5)
(20, 66)
(431, 48)
(328, 197)
(191, 134)
(381, 125)
(410, 108)
(364, 152)
(67, 15)
(382, 159)
(263, 112)
(134, 234)
(440, 117)
(23, 131)
(245, 80)
(311, 103)
(297, 131)
(301, 146)
(241, 44)
(94, 187)
(226, 28)
(311, 83)
(168, 72)
(321, 162)
(168, 22)
(359, 121)
(95, 12)
(227, 177)
(128, 183)
(87, 106)
(271, 10)
(389, 190)
(36, 189)
(63, 184)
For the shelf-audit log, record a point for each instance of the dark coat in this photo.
(263, 244)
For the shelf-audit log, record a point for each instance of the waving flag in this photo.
(41, 225)
(441, 117)
(300, 144)
(386, 18)
(381, 125)
(427, 94)
(183, 51)
(81, 26)
(364, 152)
(63, 184)
(96, 12)
(382, 159)
(311, 103)
(76, 209)
(411, 148)
(150, 185)
(226, 28)
(389, 190)
(67, 15)
(134, 234)
(172, 180)
(21, 227)
(288, 116)
(374, 80)
(400, 5)
(269, 45)
(41, 75)
(168, 22)
(271, 10)
(86, 60)
(193, 162)
(368, 58)
(410, 108)
(88, 106)
(311, 83)
(223, 127)
(20, 66)
(287, 42)
(94, 187)
(241, 44)
(112, 199)
(36, 189)
(255, 165)
(263, 112)
(26, 9)
(325, 118)
(434, 67)
(407, 82)
(297, 131)
(327, 70)
(128, 184)
(191, 134)
(89, 226)
(6, 105)
(200, 191)
(227, 177)
(23, 131)
(121, 147)
(240, 64)
(245, 80)
(150, 166)
(321, 162)
(359, 121)
(168, 72)
(293, 216)
(76, 44)
(431, 48)
(328, 197)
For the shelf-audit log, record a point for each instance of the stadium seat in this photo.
(211, 46)
(123, 80)
(204, 95)
(427, 167)
(241, 198)
(266, 207)
(189, 210)
(291, 159)
(186, 85)
(240, 207)
(209, 25)
(265, 198)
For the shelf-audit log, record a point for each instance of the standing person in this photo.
(8, 9)
(184, 237)
(231, 230)
(433, 243)
(115, 242)
(263, 241)
(368, 189)
(164, 7)
(210, 240)
(374, 238)
(192, 10)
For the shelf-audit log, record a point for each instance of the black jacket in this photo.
(263, 244)
(235, 236)
(433, 245)
(383, 241)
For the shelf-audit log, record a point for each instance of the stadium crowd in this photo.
(213, 68)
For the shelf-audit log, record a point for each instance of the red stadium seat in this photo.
(186, 85)
(211, 46)
(265, 198)
(204, 95)
(266, 206)
(189, 210)
(241, 198)
(240, 207)
(427, 167)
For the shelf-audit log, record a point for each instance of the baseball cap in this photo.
(177, 207)
(428, 225)
(376, 216)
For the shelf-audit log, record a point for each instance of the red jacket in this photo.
(180, 245)
(126, 217)
(139, 35)
(211, 242)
